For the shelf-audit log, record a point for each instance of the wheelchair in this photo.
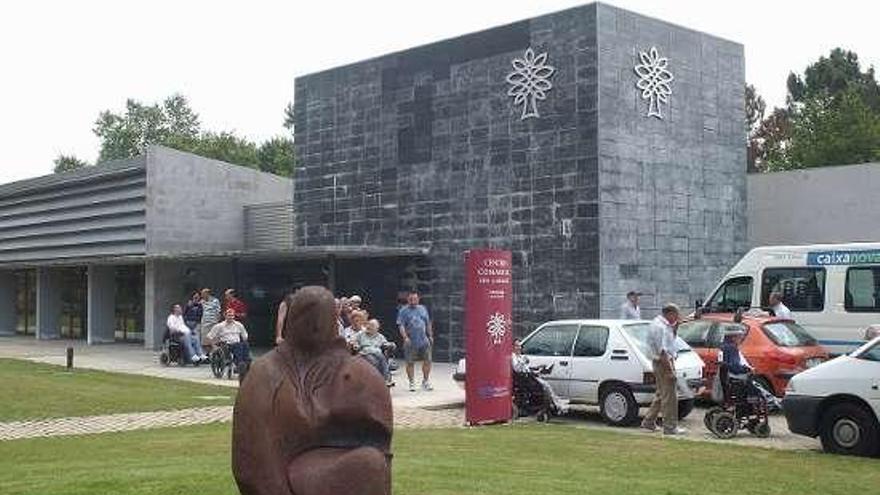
(223, 362)
(172, 351)
(744, 407)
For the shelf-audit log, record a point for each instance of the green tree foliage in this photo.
(832, 117)
(755, 108)
(174, 124)
(66, 163)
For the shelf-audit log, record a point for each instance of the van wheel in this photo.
(618, 407)
(685, 407)
(850, 430)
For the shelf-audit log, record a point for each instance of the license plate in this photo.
(813, 362)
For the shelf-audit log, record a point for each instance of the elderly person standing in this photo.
(779, 309)
(661, 341)
(210, 312)
(630, 309)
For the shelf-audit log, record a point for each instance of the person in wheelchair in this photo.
(180, 332)
(234, 335)
(736, 367)
(373, 346)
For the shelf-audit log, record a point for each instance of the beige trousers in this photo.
(665, 399)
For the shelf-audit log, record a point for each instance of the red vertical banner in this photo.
(488, 332)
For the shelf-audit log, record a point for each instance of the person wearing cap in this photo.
(663, 350)
(630, 309)
(210, 313)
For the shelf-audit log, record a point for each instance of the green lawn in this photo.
(506, 460)
(31, 391)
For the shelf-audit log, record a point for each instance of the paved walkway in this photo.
(404, 417)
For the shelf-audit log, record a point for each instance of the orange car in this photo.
(776, 349)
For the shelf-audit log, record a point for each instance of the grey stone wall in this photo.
(672, 190)
(196, 205)
(425, 148)
(818, 205)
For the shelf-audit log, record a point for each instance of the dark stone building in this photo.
(430, 148)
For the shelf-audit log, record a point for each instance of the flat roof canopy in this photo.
(303, 253)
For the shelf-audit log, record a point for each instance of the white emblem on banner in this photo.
(497, 327)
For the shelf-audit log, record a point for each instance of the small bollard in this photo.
(69, 358)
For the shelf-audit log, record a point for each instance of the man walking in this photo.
(210, 313)
(415, 328)
(661, 342)
(630, 309)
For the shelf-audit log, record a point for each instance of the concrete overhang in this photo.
(303, 253)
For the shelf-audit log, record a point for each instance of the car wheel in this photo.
(848, 429)
(685, 407)
(618, 407)
(724, 425)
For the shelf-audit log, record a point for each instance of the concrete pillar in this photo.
(101, 308)
(161, 284)
(48, 303)
(8, 296)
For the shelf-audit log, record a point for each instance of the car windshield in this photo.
(788, 334)
(869, 352)
(695, 333)
(639, 334)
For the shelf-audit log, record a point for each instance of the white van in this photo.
(833, 290)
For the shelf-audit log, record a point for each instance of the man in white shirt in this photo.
(630, 309)
(177, 328)
(663, 349)
(779, 309)
(234, 334)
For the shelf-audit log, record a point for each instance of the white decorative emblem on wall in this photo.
(497, 327)
(530, 81)
(654, 80)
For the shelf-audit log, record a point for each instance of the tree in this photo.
(129, 134)
(176, 125)
(832, 117)
(66, 163)
(833, 76)
(755, 108)
(289, 117)
(277, 156)
(834, 130)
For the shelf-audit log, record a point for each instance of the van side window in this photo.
(735, 293)
(862, 293)
(802, 289)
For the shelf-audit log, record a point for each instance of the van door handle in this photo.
(874, 387)
(563, 363)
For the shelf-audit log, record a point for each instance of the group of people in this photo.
(364, 336)
(663, 349)
(204, 320)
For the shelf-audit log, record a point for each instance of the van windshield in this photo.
(788, 334)
(638, 332)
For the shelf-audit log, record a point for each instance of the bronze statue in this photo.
(310, 418)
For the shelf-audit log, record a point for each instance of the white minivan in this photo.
(833, 290)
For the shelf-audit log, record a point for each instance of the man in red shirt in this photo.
(235, 304)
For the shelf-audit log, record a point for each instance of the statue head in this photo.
(311, 319)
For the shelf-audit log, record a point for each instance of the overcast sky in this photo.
(62, 62)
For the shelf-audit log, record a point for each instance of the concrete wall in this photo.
(169, 282)
(92, 212)
(671, 190)
(817, 205)
(195, 204)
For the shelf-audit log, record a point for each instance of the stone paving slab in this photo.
(405, 417)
